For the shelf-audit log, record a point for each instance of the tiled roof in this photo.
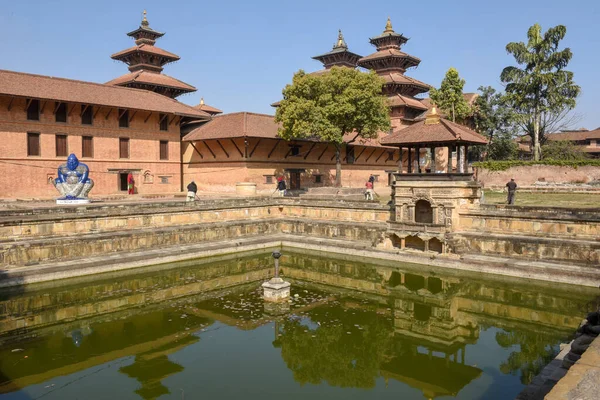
(444, 132)
(575, 135)
(402, 79)
(151, 78)
(146, 48)
(68, 90)
(390, 53)
(247, 124)
(399, 100)
(208, 109)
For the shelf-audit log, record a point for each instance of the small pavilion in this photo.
(431, 134)
(428, 195)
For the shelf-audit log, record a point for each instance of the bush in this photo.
(563, 150)
(504, 165)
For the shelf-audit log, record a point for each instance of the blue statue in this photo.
(73, 180)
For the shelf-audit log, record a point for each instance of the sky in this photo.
(240, 54)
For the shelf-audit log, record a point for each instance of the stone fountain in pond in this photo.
(276, 290)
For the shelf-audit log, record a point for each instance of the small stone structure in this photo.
(276, 289)
(426, 208)
(73, 182)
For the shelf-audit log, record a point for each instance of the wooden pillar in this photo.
(433, 165)
(410, 160)
(400, 161)
(450, 159)
(459, 162)
(418, 157)
(465, 159)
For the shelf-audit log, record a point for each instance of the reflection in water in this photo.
(349, 325)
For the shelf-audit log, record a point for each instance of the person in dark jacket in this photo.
(281, 186)
(512, 191)
(192, 189)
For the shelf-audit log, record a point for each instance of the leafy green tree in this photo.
(562, 150)
(327, 106)
(449, 97)
(542, 92)
(494, 119)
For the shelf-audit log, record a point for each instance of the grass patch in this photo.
(575, 200)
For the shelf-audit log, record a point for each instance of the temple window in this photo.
(33, 110)
(164, 149)
(163, 122)
(61, 146)
(123, 118)
(390, 156)
(164, 179)
(318, 178)
(87, 115)
(123, 147)
(350, 155)
(295, 151)
(423, 212)
(33, 144)
(268, 179)
(87, 146)
(61, 112)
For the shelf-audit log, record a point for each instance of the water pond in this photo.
(352, 330)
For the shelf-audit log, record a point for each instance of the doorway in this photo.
(123, 181)
(294, 180)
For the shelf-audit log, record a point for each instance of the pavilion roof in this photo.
(401, 79)
(67, 90)
(400, 100)
(209, 109)
(391, 52)
(253, 125)
(434, 130)
(151, 78)
(146, 48)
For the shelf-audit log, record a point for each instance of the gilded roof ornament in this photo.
(201, 101)
(340, 41)
(145, 20)
(388, 26)
(433, 117)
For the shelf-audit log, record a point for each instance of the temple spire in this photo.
(341, 43)
(388, 26)
(145, 22)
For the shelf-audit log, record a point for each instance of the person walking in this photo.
(192, 190)
(369, 191)
(512, 191)
(130, 184)
(281, 186)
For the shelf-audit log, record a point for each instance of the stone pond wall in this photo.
(30, 237)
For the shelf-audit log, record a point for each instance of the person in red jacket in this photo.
(130, 184)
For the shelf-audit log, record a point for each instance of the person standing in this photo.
(512, 191)
(281, 186)
(130, 184)
(192, 190)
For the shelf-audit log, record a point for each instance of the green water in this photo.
(353, 330)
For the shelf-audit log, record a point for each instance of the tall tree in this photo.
(329, 105)
(542, 92)
(494, 119)
(449, 97)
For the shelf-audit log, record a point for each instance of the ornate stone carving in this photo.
(73, 181)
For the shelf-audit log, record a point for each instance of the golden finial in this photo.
(433, 117)
(340, 42)
(144, 19)
(201, 101)
(388, 26)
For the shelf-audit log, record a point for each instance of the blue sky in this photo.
(240, 54)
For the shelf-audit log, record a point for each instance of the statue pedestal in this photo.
(276, 290)
(73, 201)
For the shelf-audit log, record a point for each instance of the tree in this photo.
(329, 105)
(562, 150)
(494, 119)
(449, 97)
(542, 92)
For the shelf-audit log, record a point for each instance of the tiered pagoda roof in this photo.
(206, 108)
(146, 63)
(339, 55)
(390, 62)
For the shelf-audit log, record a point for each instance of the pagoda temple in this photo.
(146, 63)
(339, 55)
(390, 62)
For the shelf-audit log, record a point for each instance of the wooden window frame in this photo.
(160, 152)
(89, 109)
(269, 179)
(124, 139)
(83, 147)
(31, 102)
(39, 144)
(163, 119)
(66, 144)
(125, 116)
(66, 112)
